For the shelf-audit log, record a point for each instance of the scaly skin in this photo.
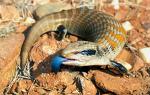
(94, 26)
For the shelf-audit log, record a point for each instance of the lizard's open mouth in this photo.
(58, 60)
(72, 61)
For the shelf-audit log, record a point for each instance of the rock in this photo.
(70, 89)
(66, 78)
(43, 48)
(54, 92)
(9, 52)
(125, 55)
(28, 21)
(73, 38)
(42, 2)
(23, 85)
(34, 90)
(87, 86)
(8, 2)
(139, 1)
(127, 25)
(127, 58)
(115, 3)
(20, 28)
(8, 12)
(135, 22)
(145, 54)
(51, 8)
(49, 45)
(41, 91)
(136, 39)
(138, 64)
(144, 18)
(144, 72)
(146, 25)
(48, 49)
(117, 85)
(121, 13)
(48, 81)
(51, 80)
(148, 33)
(5, 29)
(145, 3)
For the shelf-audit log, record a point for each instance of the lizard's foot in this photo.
(121, 68)
(26, 71)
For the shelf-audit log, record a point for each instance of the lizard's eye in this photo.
(88, 52)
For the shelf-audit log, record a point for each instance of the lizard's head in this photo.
(81, 53)
(80, 50)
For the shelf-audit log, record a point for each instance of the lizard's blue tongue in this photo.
(56, 63)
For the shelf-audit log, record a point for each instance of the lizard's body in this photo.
(94, 26)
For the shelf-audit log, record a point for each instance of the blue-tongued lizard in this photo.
(104, 35)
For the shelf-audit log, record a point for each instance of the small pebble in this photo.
(115, 3)
(127, 25)
(29, 21)
(145, 54)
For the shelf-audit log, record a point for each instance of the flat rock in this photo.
(138, 64)
(125, 56)
(88, 88)
(9, 52)
(145, 54)
(8, 12)
(51, 8)
(117, 85)
(46, 47)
